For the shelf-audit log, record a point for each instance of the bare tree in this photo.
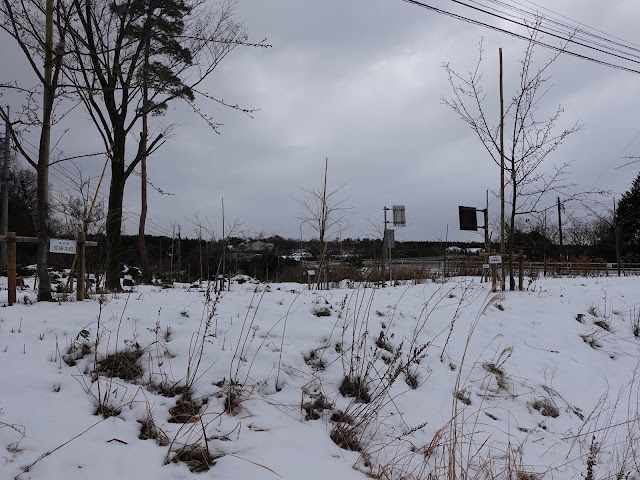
(33, 24)
(79, 206)
(533, 137)
(325, 212)
(184, 42)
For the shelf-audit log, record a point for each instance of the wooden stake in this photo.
(11, 266)
(80, 291)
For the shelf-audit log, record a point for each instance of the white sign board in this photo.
(485, 265)
(311, 273)
(57, 245)
(493, 259)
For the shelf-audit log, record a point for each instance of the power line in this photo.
(523, 37)
(574, 28)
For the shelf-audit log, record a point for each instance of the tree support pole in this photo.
(80, 292)
(11, 266)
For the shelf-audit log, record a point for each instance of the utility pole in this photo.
(502, 281)
(487, 245)
(48, 73)
(617, 233)
(384, 245)
(5, 192)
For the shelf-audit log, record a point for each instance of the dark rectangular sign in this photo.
(468, 218)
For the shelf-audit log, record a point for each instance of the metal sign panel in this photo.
(485, 265)
(495, 259)
(468, 218)
(399, 219)
(57, 245)
(391, 238)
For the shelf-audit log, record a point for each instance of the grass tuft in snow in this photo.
(186, 410)
(546, 407)
(196, 457)
(124, 364)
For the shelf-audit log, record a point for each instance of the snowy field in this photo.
(275, 381)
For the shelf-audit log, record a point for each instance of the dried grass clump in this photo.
(314, 360)
(546, 407)
(107, 411)
(169, 389)
(124, 365)
(314, 409)
(150, 431)
(356, 388)
(75, 352)
(186, 409)
(345, 437)
(196, 457)
(322, 312)
(463, 396)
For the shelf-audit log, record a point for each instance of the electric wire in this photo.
(537, 42)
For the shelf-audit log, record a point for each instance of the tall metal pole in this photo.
(502, 281)
(617, 233)
(5, 192)
(384, 245)
(487, 246)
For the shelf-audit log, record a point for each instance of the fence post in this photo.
(11, 266)
(80, 267)
(520, 268)
(494, 277)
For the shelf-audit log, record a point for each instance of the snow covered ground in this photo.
(442, 378)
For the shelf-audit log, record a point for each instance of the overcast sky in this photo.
(361, 82)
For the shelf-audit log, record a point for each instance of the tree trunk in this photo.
(114, 218)
(144, 257)
(44, 282)
(512, 226)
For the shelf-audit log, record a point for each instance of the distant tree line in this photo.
(592, 236)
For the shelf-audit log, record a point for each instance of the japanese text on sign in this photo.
(57, 245)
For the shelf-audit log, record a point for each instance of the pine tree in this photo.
(117, 45)
(628, 218)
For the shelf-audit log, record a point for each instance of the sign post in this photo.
(388, 239)
(55, 246)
